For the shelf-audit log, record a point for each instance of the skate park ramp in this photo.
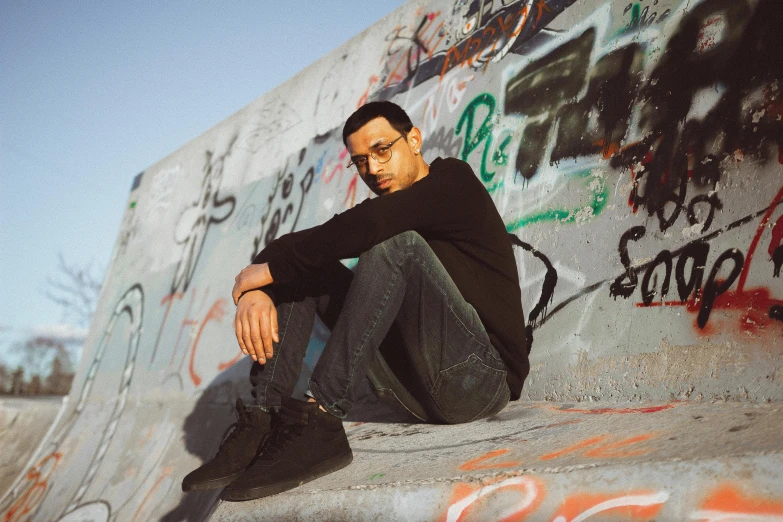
(635, 152)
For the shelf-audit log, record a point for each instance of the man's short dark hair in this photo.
(393, 113)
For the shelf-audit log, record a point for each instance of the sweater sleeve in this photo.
(439, 205)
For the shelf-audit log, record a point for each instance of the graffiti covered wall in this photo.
(634, 150)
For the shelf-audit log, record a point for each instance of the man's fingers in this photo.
(247, 337)
(273, 323)
(255, 336)
(256, 326)
(238, 331)
(266, 333)
(235, 294)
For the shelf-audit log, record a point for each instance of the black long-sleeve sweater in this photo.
(453, 212)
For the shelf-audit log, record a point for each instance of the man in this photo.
(431, 315)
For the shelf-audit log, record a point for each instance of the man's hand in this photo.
(256, 325)
(250, 278)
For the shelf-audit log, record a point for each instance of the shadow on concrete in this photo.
(203, 430)
(214, 412)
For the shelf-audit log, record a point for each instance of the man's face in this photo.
(398, 173)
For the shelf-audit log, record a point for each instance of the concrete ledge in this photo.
(563, 462)
(24, 422)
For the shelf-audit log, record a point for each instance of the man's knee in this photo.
(401, 245)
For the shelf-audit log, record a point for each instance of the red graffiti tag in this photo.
(777, 236)
(754, 243)
(754, 303)
(215, 313)
(37, 483)
(601, 411)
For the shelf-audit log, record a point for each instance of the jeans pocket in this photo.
(467, 390)
(390, 399)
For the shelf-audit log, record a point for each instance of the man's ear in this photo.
(414, 139)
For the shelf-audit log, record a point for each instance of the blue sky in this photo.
(92, 93)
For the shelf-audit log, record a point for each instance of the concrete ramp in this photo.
(635, 153)
(553, 462)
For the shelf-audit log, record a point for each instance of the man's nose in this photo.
(374, 166)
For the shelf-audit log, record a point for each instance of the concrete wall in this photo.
(633, 149)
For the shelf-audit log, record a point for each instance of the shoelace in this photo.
(242, 423)
(286, 430)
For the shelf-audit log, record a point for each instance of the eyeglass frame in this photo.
(366, 157)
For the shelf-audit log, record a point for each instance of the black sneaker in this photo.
(305, 443)
(236, 451)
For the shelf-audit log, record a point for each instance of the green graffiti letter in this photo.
(500, 157)
(483, 134)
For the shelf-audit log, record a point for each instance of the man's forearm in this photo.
(266, 275)
(251, 277)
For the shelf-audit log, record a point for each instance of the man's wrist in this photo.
(267, 274)
(247, 292)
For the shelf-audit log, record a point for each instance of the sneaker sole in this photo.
(211, 484)
(324, 468)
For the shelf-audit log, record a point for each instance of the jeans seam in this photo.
(401, 403)
(434, 282)
(368, 333)
(274, 366)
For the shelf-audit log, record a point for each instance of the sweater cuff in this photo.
(270, 291)
(274, 260)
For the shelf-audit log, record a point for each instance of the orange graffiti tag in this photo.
(215, 313)
(541, 7)
(728, 503)
(166, 472)
(576, 447)
(228, 364)
(604, 450)
(519, 495)
(640, 505)
(167, 300)
(187, 322)
(477, 463)
(464, 52)
(37, 484)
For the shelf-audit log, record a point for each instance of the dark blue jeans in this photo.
(399, 321)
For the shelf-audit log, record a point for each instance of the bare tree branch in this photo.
(74, 289)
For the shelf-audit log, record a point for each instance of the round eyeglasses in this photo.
(381, 154)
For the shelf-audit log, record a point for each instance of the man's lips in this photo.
(383, 183)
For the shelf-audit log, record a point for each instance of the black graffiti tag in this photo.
(624, 285)
(687, 284)
(547, 288)
(279, 213)
(195, 220)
